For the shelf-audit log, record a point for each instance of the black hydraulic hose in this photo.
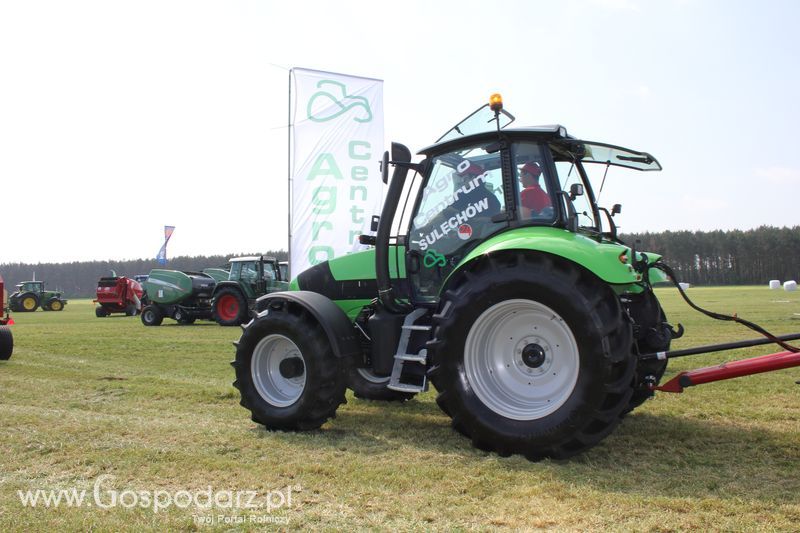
(400, 154)
(718, 316)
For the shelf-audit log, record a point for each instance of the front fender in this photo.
(337, 327)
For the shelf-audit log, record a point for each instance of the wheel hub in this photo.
(521, 359)
(291, 368)
(278, 370)
(533, 355)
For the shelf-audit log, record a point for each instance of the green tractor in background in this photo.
(248, 279)
(496, 277)
(30, 295)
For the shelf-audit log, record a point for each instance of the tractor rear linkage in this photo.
(733, 369)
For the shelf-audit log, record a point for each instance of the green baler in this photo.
(183, 296)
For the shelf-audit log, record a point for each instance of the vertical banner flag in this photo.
(162, 253)
(335, 181)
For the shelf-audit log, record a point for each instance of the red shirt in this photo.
(534, 198)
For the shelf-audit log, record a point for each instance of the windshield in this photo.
(482, 119)
(607, 154)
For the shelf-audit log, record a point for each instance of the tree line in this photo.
(79, 279)
(735, 257)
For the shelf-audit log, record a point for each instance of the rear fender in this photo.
(603, 259)
(334, 322)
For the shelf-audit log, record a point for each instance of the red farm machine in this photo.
(6, 338)
(118, 294)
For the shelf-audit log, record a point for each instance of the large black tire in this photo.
(6, 343)
(286, 371)
(152, 316)
(130, 310)
(532, 355)
(230, 307)
(27, 303)
(100, 311)
(368, 386)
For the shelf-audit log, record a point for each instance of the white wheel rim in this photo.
(270, 384)
(498, 373)
(371, 377)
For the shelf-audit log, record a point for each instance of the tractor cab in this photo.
(482, 180)
(30, 286)
(255, 274)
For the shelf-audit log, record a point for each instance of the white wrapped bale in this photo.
(790, 285)
(685, 286)
(774, 284)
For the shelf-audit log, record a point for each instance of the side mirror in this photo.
(575, 190)
(385, 167)
(616, 209)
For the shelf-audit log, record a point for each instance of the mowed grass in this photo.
(155, 409)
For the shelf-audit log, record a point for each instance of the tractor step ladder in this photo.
(409, 370)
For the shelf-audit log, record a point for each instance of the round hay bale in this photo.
(774, 284)
(790, 285)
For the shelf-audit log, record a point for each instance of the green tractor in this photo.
(249, 278)
(30, 295)
(496, 277)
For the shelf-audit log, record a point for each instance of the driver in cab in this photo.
(534, 201)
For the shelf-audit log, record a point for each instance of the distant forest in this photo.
(79, 279)
(751, 257)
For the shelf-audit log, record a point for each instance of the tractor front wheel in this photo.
(367, 385)
(6, 343)
(286, 371)
(230, 307)
(532, 355)
(54, 304)
(152, 316)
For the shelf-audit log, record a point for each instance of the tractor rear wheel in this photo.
(6, 343)
(230, 307)
(28, 302)
(152, 316)
(532, 355)
(367, 385)
(286, 371)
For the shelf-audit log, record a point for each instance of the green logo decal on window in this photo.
(336, 102)
(433, 258)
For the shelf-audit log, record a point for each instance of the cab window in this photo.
(534, 197)
(568, 174)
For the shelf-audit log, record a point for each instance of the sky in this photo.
(117, 118)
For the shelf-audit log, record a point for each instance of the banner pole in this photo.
(289, 172)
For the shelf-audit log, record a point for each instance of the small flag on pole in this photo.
(162, 253)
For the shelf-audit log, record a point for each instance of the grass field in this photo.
(154, 408)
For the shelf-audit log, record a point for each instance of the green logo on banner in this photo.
(337, 102)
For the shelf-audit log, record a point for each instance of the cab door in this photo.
(461, 204)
